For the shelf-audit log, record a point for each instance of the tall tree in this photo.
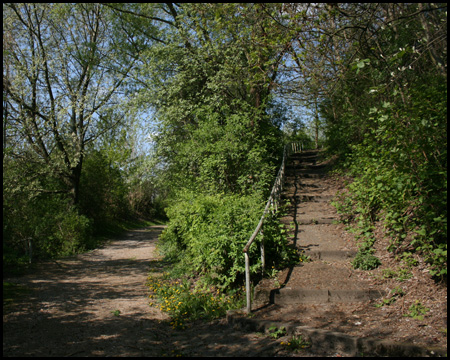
(210, 78)
(62, 86)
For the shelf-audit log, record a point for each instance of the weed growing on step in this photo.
(296, 343)
(275, 332)
(185, 303)
(303, 258)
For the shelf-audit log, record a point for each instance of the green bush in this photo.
(103, 193)
(49, 223)
(71, 233)
(207, 233)
(364, 260)
(184, 303)
(400, 175)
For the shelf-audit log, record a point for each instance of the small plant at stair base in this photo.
(272, 273)
(302, 258)
(404, 272)
(364, 260)
(401, 274)
(296, 343)
(276, 333)
(395, 294)
(115, 312)
(417, 310)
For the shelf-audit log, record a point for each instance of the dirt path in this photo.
(73, 310)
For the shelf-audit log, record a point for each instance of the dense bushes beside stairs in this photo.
(399, 171)
(207, 233)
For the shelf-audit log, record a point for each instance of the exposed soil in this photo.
(95, 304)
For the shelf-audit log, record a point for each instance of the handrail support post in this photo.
(263, 254)
(247, 283)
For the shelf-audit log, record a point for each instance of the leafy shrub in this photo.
(364, 260)
(71, 234)
(207, 233)
(184, 303)
(49, 223)
(103, 192)
(400, 176)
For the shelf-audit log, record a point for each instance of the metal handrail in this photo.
(272, 204)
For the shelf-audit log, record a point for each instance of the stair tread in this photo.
(329, 276)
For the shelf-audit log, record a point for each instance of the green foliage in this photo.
(395, 293)
(417, 311)
(222, 153)
(296, 343)
(103, 194)
(364, 260)
(275, 332)
(185, 303)
(115, 312)
(61, 98)
(146, 202)
(210, 85)
(401, 274)
(391, 126)
(399, 174)
(208, 73)
(218, 134)
(49, 224)
(61, 101)
(207, 233)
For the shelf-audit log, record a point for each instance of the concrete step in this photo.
(307, 207)
(305, 220)
(318, 282)
(322, 242)
(315, 213)
(328, 277)
(330, 255)
(309, 198)
(304, 155)
(306, 167)
(288, 295)
(326, 342)
(309, 175)
(316, 221)
(307, 190)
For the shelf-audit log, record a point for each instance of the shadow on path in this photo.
(95, 304)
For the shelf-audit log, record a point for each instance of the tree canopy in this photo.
(217, 82)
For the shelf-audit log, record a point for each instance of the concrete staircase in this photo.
(328, 277)
(323, 300)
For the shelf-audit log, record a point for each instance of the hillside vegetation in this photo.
(118, 112)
